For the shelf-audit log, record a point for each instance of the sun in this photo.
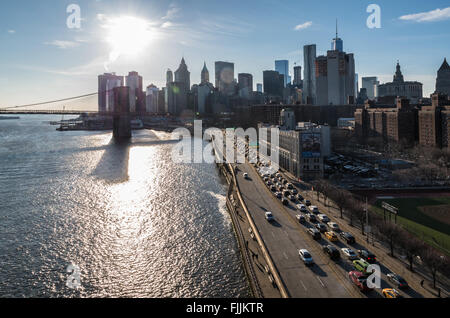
(128, 35)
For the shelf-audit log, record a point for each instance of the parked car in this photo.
(331, 236)
(286, 193)
(302, 208)
(301, 218)
(361, 266)
(306, 257)
(311, 217)
(323, 218)
(314, 209)
(350, 239)
(391, 293)
(278, 195)
(333, 226)
(398, 280)
(314, 233)
(307, 203)
(349, 253)
(360, 280)
(269, 216)
(367, 256)
(322, 228)
(332, 252)
(273, 188)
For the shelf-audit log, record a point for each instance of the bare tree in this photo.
(411, 245)
(391, 233)
(434, 261)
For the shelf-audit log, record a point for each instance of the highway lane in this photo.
(284, 238)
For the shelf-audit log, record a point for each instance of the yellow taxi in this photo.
(391, 293)
(331, 236)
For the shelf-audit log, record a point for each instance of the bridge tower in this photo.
(121, 115)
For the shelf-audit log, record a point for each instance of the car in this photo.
(269, 216)
(314, 209)
(331, 236)
(332, 252)
(314, 233)
(285, 201)
(286, 193)
(265, 178)
(367, 256)
(306, 257)
(323, 218)
(284, 181)
(269, 183)
(301, 218)
(311, 217)
(349, 253)
(273, 188)
(300, 198)
(360, 280)
(361, 266)
(397, 280)
(294, 191)
(302, 208)
(322, 228)
(391, 293)
(246, 176)
(290, 186)
(278, 195)
(307, 203)
(333, 226)
(350, 239)
(292, 198)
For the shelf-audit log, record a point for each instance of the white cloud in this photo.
(303, 26)
(430, 16)
(11, 31)
(63, 44)
(172, 12)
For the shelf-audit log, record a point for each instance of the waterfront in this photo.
(135, 223)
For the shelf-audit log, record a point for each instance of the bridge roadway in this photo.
(285, 237)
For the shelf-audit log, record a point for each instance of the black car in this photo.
(314, 233)
(307, 203)
(285, 201)
(350, 239)
(332, 252)
(321, 227)
(312, 218)
(398, 280)
(294, 191)
(300, 198)
(367, 256)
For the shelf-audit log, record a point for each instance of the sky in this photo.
(42, 59)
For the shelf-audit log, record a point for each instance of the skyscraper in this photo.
(245, 84)
(443, 79)
(298, 76)
(182, 75)
(225, 77)
(152, 99)
(102, 88)
(205, 75)
(134, 82)
(309, 82)
(337, 44)
(371, 86)
(273, 83)
(282, 67)
(169, 77)
(259, 87)
(111, 83)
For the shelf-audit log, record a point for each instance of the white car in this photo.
(245, 175)
(349, 253)
(269, 216)
(314, 209)
(333, 226)
(302, 208)
(323, 218)
(306, 257)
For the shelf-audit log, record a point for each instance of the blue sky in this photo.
(42, 59)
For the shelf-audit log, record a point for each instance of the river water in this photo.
(134, 223)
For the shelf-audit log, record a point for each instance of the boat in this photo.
(9, 117)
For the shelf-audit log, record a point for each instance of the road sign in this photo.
(389, 207)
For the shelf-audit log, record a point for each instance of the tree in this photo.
(411, 245)
(391, 232)
(434, 261)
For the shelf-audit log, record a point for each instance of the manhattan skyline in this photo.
(47, 60)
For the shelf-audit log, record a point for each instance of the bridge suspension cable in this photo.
(51, 102)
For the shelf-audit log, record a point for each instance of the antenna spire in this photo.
(336, 28)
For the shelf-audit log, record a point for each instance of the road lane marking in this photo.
(273, 234)
(284, 253)
(303, 286)
(320, 281)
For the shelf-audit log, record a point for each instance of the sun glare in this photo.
(128, 35)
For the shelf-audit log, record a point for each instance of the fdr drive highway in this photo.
(285, 237)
